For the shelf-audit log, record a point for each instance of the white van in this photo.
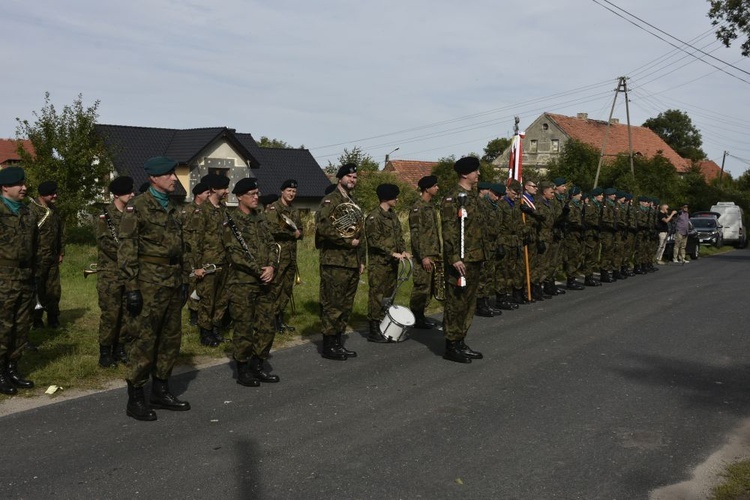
(733, 225)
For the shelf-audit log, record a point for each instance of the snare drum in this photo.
(397, 319)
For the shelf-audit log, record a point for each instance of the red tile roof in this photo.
(709, 169)
(410, 171)
(8, 150)
(645, 141)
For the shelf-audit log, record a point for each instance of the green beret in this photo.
(497, 188)
(559, 181)
(643, 198)
(628, 196)
(160, 165)
(483, 186)
(610, 191)
(11, 175)
(574, 191)
(596, 192)
(466, 165)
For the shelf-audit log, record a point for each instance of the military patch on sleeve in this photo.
(271, 208)
(130, 209)
(102, 216)
(326, 202)
(448, 199)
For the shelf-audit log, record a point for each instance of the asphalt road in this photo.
(606, 393)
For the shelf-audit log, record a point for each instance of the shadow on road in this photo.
(247, 471)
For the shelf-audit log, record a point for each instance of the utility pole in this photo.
(388, 157)
(721, 174)
(622, 86)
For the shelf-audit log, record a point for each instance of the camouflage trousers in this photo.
(547, 261)
(338, 287)
(251, 307)
(573, 249)
(48, 287)
(590, 253)
(192, 304)
(382, 283)
(607, 261)
(214, 298)
(421, 291)
(283, 285)
(156, 333)
(460, 302)
(112, 319)
(15, 317)
(513, 268)
(487, 280)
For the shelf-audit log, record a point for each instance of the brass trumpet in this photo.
(91, 270)
(438, 280)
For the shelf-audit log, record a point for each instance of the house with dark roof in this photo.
(218, 150)
(410, 171)
(9, 151)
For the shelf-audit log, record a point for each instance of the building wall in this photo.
(222, 158)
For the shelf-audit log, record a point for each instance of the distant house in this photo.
(9, 151)
(219, 150)
(410, 171)
(547, 136)
(709, 169)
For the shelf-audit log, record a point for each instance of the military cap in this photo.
(349, 168)
(11, 175)
(244, 185)
(620, 194)
(466, 165)
(217, 181)
(200, 188)
(267, 199)
(546, 185)
(144, 187)
(610, 191)
(121, 185)
(47, 188)
(289, 183)
(628, 196)
(643, 198)
(559, 181)
(574, 191)
(387, 192)
(497, 188)
(159, 165)
(427, 182)
(329, 189)
(483, 186)
(596, 192)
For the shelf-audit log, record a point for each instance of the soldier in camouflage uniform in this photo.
(630, 240)
(286, 226)
(496, 251)
(207, 250)
(621, 236)
(548, 208)
(18, 231)
(190, 219)
(110, 286)
(342, 256)
(50, 253)
(488, 202)
(608, 228)
(151, 262)
(573, 243)
(642, 251)
(252, 254)
(511, 236)
(535, 246)
(425, 245)
(386, 248)
(591, 218)
(463, 258)
(559, 229)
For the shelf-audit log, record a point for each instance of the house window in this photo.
(533, 146)
(219, 171)
(555, 146)
(545, 127)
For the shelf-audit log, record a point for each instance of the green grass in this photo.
(736, 484)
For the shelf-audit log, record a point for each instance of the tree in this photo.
(733, 20)
(68, 151)
(447, 176)
(676, 129)
(265, 142)
(577, 163)
(364, 162)
(495, 148)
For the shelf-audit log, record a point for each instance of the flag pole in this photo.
(515, 172)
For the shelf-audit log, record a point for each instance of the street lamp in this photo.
(387, 157)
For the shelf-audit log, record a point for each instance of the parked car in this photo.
(709, 229)
(731, 218)
(692, 248)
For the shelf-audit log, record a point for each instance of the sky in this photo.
(432, 78)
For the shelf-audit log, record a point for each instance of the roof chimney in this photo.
(614, 121)
(582, 116)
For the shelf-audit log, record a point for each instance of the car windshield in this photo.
(704, 223)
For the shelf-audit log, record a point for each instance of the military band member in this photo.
(252, 256)
(50, 253)
(286, 226)
(463, 254)
(151, 262)
(207, 253)
(189, 227)
(110, 285)
(341, 261)
(18, 230)
(386, 248)
(425, 246)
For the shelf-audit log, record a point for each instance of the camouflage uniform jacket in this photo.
(592, 211)
(207, 246)
(149, 232)
(423, 226)
(19, 236)
(643, 216)
(608, 219)
(632, 218)
(246, 268)
(190, 215)
(574, 220)
(335, 250)
(511, 230)
(384, 236)
(282, 233)
(548, 211)
(106, 262)
(50, 241)
(491, 225)
(473, 227)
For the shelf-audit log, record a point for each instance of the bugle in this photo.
(91, 270)
(438, 280)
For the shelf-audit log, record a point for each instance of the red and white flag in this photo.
(515, 168)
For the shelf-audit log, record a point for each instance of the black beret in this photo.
(244, 185)
(483, 186)
(329, 189)
(216, 181)
(160, 165)
(349, 168)
(466, 165)
(596, 192)
(121, 185)
(559, 181)
(574, 191)
(267, 199)
(47, 188)
(200, 188)
(289, 183)
(144, 187)
(497, 188)
(427, 182)
(11, 175)
(387, 192)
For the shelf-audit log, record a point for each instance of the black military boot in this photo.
(284, 326)
(162, 399)
(216, 331)
(537, 293)
(137, 407)
(503, 302)
(16, 378)
(340, 346)
(53, 321)
(118, 352)
(453, 352)
(605, 277)
(560, 291)
(638, 270)
(525, 296)
(483, 308)
(331, 350)
(106, 359)
(6, 386)
(244, 377)
(208, 339)
(468, 352)
(193, 320)
(37, 317)
(616, 274)
(257, 371)
(549, 288)
(277, 324)
(421, 322)
(625, 271)
(518, 296)
(374, 334)
(572, 284)
(590, 281)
